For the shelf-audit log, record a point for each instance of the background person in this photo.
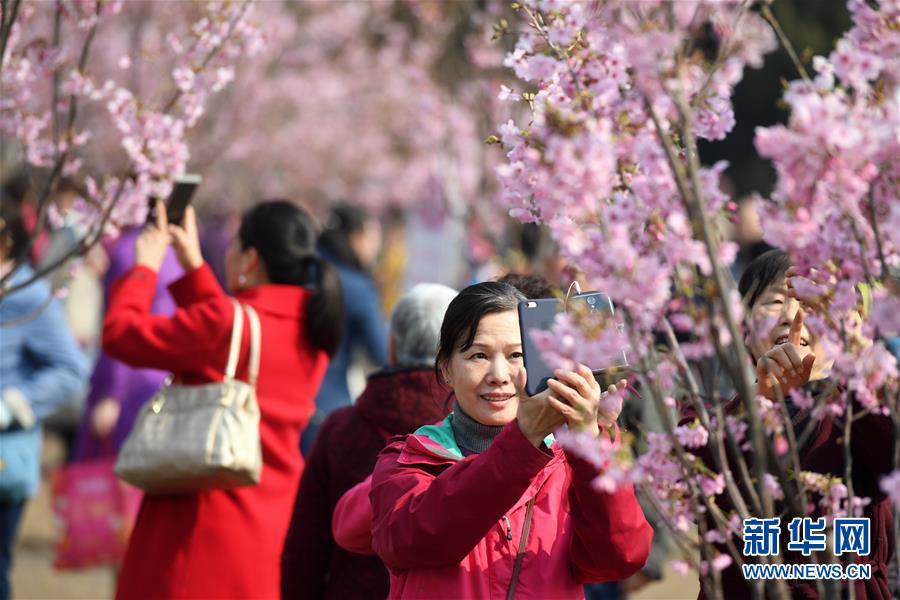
(790, 356)
(350, 241)
(481, 505)
(118, 391)
(227, 543)
(397, 400)
(41, 367)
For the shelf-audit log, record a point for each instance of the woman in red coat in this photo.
(227, 543)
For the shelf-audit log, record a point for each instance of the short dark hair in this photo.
(532, 286)
(13, 234)
(465, 312)
(764, 270)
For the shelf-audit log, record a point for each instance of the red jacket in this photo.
(217, 544)
(451, 527)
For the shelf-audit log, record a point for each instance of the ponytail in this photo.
(284, 236)
(325, 310)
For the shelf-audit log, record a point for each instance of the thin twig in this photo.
(700, 96)
(848, 478)
(785, 42)
(44, 196)
(719, 456)
(6, 26)
(83, 245)
(745, 387)
(212, 53)
(877, 231)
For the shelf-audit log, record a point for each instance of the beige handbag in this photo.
(190, 438)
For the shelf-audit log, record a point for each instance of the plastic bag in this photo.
(97, 512)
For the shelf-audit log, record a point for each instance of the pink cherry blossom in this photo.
(890, 485)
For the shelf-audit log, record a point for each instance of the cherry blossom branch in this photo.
(683, 540)
(9, 17)
(91, 238)
(700, 96)
(885, 272)
(769, 16)
(743, 384)
(61, 157)
(84, 244)
(210, 55)
(538, 25)
(720, 457)
(736, 451)
(794, 455)
(848, 479)
(688, 470)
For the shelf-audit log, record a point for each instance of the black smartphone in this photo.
(180, 198)
(539, 314)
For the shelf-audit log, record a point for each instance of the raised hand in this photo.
(536, 417)
(576, 395)
(186, 241)
(150, 246)
(781, 368)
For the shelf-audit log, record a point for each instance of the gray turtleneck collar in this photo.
(472, 437)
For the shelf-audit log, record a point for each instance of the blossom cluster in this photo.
(343, 105)
(616, 95)
(836, 205)
(605, 89)
(94, 98)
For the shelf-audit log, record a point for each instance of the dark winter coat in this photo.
(313, 565)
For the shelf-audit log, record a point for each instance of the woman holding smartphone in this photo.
(226, 543)
(486, 505)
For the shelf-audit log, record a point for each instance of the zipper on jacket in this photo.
(508, 528)
(520, 556)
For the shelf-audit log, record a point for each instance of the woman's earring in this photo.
(242, 279)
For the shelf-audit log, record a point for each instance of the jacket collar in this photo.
(279, 299)
(439, 442)
(401, 399)
(435, 445)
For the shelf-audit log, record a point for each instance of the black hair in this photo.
(531, 286)
(465, 312)
(343, 221)
(765, 269)
(13, 234)
(284, 236)
(16, 187)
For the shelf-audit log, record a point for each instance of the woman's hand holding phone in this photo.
(578, 398)
(536, 417)
(576, 395)
(150, 246)
(186, 241)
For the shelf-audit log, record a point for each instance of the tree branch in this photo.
(10, 15)
(785, 42)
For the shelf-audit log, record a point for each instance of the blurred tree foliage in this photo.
(813, 26)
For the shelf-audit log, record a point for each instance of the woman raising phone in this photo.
(486, 505)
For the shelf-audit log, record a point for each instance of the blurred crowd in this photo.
(354, 309)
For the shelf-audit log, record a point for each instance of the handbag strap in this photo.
(234, 351)
(255, 344)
